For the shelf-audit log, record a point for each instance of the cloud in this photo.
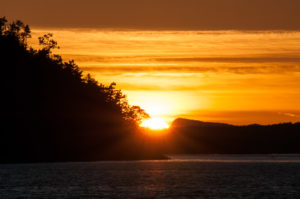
(271, 64)
(289, 114)
(194, 69)
(156, 87)
(271, 58)
(232, 59)
(158, 14)
(241, 117)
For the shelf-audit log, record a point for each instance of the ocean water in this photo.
(193, 176)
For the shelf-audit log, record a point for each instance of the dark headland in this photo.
(51, 112)
(192, 136)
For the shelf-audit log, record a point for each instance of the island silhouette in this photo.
(62, 115)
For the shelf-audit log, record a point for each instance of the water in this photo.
(206, 176)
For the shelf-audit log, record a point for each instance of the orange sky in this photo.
(235, 61)
(238, 77)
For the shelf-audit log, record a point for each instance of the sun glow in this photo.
(155, 124)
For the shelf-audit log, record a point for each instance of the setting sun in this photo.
(155, 124)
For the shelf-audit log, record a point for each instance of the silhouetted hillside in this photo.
(53, 113)
(190, 136)
(181, 122)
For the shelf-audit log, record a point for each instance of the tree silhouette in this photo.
(60, 114)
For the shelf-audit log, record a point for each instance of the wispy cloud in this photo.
(194, 69)
(243, 117)
(291, 114)
(271, 58)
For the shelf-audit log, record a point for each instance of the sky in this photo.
(157, 14)
(234, 61)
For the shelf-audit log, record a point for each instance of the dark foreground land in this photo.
(52, 113)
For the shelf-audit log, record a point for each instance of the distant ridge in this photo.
(192, 136)
(180, 122)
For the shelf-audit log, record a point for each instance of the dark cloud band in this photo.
(158, 14)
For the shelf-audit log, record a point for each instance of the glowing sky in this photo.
(228, 76)
(235, 62)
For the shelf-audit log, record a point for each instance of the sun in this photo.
(155, 123)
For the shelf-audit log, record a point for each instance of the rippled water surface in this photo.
(210, 176)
